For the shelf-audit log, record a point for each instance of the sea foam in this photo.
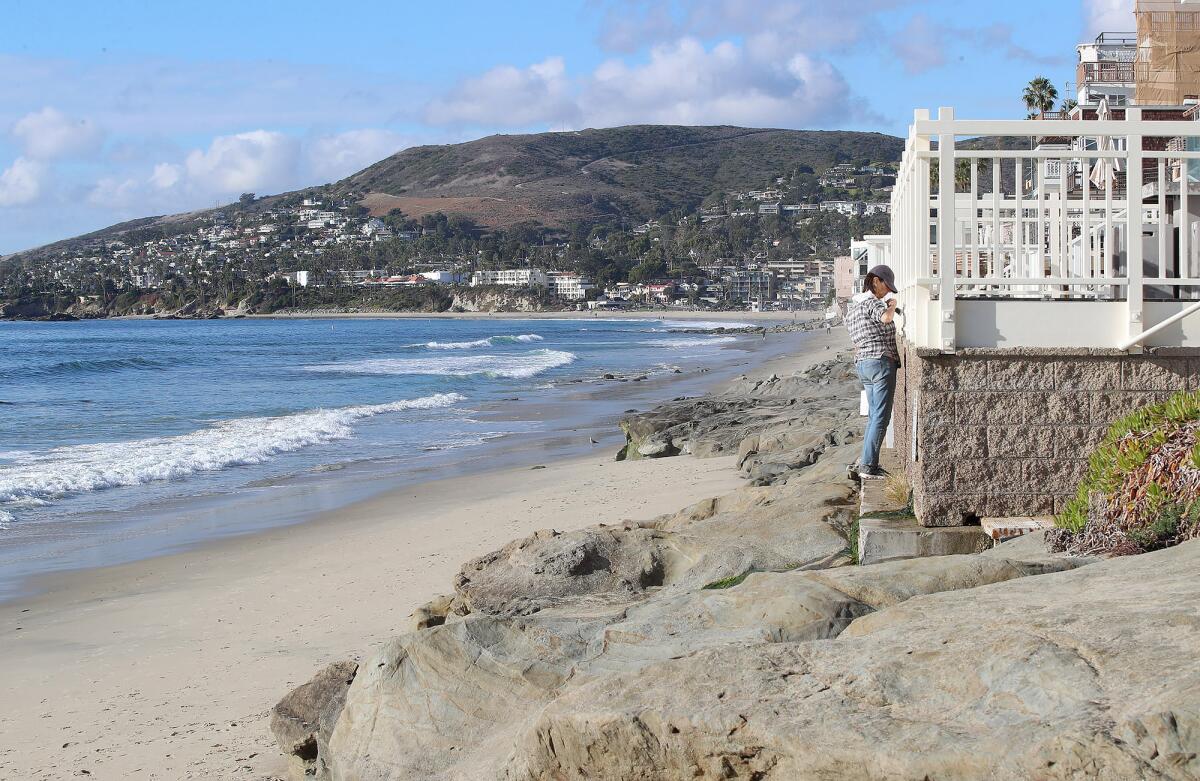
(75, 469)
(491, 341)
(514, 366)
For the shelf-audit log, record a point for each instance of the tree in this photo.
(1068, 104)
(245, 199)
(1040, 95)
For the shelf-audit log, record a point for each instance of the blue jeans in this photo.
(878, 376)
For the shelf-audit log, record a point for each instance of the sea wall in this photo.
(1000, 433)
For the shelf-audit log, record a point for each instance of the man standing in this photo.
(869, 319)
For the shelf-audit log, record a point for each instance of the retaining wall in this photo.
(995, 432)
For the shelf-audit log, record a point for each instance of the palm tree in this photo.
(1068, 104)
(1040, 95)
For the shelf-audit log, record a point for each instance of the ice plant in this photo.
(1142, 488)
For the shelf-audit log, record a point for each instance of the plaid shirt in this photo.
(872, 337)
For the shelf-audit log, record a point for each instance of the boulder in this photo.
(303, 720)
(546, 568)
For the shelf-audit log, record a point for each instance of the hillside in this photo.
(630, 173)
(636, 172)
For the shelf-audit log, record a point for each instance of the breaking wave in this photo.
(75, 469)
(489, 342)
(514, 366)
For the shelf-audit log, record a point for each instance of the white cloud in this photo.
(523, 95)
(166, 176)
(332, 157)
(22, 182)
(685, 82)
(48, 134)
(1108, 16)
(257, 160)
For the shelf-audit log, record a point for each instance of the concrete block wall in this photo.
(1008, 432)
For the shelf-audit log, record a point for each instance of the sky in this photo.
(131, 108)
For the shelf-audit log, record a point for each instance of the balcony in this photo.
(1014, 250)
(1113, 72)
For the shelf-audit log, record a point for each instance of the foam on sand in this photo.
(514, 366)
(40, 478)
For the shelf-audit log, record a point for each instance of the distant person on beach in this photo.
(869, 320)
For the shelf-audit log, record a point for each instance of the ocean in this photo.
(122, 439)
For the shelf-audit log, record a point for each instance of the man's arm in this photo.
(889, 314)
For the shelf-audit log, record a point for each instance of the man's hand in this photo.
(890, 313)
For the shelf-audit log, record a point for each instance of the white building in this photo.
(569, 286)
(513, 277)
(1105, 69)
(442, 277)
(848, 208)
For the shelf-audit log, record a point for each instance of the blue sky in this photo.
(123, 109)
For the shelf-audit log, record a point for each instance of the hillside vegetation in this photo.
(636, 172)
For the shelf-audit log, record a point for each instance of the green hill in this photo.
(635, 172)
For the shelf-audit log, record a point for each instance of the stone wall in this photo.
(1008, 432)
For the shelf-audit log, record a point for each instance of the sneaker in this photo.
(872, 472)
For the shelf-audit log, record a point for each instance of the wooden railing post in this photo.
(1133, 224)
(946, 231)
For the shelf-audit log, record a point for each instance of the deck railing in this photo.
(1033, 248)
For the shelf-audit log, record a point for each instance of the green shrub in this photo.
(1142, 487)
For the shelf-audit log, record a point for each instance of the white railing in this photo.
(1036, 242)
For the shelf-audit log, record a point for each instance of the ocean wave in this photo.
(77, 469)
(491, 341)
(513, 366)
(690, 341)
(84, 366)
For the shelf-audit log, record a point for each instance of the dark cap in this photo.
(885, 275)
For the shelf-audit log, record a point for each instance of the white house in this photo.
(513, 277)
(569, 286)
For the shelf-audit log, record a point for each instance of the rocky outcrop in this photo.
(1072, 675)
(499, 299)
(302, 720)
(793, 417)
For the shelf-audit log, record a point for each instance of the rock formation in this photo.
(727, 641)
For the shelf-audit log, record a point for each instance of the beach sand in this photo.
(167, 668)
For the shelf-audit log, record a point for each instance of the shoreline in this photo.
(577, 412)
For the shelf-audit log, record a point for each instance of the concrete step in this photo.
(1001, 529)
(892, 539)
(873, 497)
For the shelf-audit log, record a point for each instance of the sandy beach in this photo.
(167, 668)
